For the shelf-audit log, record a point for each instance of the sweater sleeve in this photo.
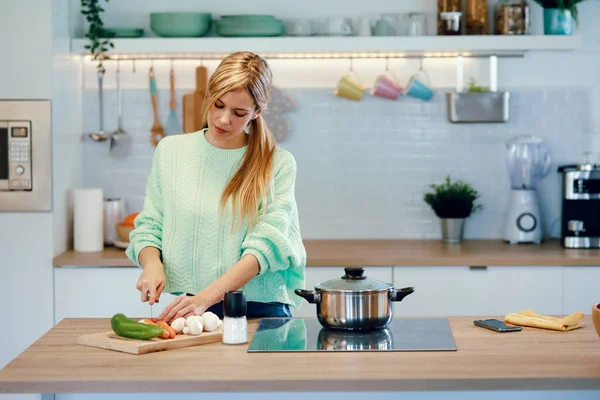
(276, 240)
(149, 223)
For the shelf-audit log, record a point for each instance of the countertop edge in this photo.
(393, 253)
(301, 385)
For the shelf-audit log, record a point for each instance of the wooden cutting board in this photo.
(111, 341)
(193, 102)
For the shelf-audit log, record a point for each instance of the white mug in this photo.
(338, 26)
(301, 27)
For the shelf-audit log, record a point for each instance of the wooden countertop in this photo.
(428, 252)
(532, 359)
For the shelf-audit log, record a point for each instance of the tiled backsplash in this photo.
(363, 167)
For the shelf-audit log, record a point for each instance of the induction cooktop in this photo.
(308, 335)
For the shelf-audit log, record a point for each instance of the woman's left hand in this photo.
(182, 306)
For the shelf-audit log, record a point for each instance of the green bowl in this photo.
(257, 29)
(248, 17)
(121, 32)
(180, 24)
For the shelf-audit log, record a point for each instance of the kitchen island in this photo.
(533, 359)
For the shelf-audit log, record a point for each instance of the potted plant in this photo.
(559, 16)
(453, 203)
(99, 44)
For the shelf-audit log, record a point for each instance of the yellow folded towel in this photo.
(529, 318)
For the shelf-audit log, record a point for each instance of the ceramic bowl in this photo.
(596, 317)
(180, 24)
(123, 232)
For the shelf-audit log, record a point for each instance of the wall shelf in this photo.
(337, 47)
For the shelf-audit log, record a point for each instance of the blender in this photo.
(528, 162)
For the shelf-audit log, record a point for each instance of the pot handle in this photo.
(309, 295)
(398, 295)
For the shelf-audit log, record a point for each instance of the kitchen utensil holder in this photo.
(478, 107)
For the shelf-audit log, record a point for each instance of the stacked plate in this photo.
(249, 25)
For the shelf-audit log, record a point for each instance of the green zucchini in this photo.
(128, 328)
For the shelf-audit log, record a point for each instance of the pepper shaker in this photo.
(235, 323)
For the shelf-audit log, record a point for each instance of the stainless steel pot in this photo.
(354, 302)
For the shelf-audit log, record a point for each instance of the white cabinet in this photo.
(88, 292)
(453, 291)
(316, 275)
(100, 293)
(581, 289)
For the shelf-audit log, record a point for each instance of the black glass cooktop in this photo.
(302, 335)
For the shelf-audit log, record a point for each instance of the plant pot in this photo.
(478, 107)
(557, 22)
(453, 229)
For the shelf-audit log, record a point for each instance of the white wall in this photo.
(26, 244)
(27, 43)
(34, 35)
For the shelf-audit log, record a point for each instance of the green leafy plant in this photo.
(453, 199)
(562, 5)
(475, 88)
(99, 44)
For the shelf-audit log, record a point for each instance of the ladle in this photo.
(100, 136)
(119, 136)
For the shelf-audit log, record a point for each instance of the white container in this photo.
(235, 330)
(88, 224)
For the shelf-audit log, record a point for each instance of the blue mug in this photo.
(418, 89)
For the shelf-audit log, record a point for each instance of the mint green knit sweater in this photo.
(180, 217)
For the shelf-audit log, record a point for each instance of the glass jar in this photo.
(445, 6)
(477, 20)
(511, 18)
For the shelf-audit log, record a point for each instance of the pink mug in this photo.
(386, 87)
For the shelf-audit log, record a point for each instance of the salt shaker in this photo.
(235, 324)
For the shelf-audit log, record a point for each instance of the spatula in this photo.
(172, 127)
(157, 132)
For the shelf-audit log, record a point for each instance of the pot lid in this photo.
(353, 280)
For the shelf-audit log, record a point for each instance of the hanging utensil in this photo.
(119, 136)
(172, 127)
(157, 132)
(193, 102)
(100, 136)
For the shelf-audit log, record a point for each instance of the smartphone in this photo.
(496, 325)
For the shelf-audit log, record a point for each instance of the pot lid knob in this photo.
(354, 273)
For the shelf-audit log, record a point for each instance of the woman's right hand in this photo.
(151, 282)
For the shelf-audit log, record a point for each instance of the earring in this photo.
(247, 128)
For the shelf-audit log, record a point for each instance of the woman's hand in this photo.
(183, 306)
(151, 282)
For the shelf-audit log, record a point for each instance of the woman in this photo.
(220, 212)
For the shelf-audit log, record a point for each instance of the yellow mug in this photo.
(349, 88)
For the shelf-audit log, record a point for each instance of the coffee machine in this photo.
(528, 162)
(580, 219)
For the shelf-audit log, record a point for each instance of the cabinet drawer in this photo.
(581, 289)
(101, 293)
(453, 291)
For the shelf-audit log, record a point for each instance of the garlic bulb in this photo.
(186, 330)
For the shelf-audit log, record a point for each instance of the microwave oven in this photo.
(25, 155)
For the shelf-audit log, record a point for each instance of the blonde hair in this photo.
(251, 182)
